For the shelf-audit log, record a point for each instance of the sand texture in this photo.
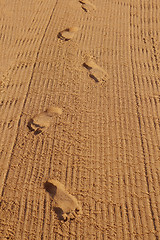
(102, 149)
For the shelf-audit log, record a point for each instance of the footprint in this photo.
(68, 33)
(90, 64)
(96, 72)
(87, 5)
(42, 121)
(66, 205)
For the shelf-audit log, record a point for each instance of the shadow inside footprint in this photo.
(61, 216)
(93, 77)
(87, 6)
(86, 66)
(61, 37)
(30, 123)
(84, 9)
(38, 131)
(59, 213)
(50, 188)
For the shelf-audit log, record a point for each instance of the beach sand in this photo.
(97, 61)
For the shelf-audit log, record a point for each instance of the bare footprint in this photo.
(42, 121)
(96, 72)
(68, 33)
(66, 205)
(87, 5)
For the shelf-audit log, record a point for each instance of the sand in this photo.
(105, 146)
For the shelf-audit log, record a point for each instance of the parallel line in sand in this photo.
(146, 163)
(23, 107)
